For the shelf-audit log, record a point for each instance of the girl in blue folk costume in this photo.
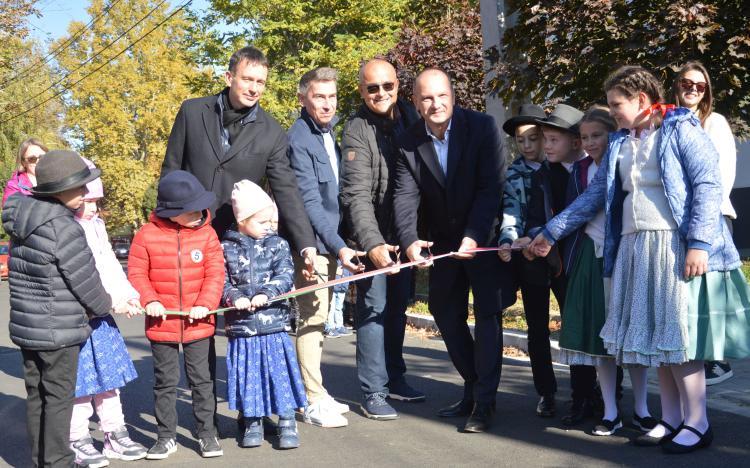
(263, 376)
(677, 296)
(104, 364)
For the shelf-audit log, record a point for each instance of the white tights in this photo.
(608, 381)
(683, 398)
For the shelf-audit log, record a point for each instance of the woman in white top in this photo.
(692, 89)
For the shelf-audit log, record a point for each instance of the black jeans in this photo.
(50, 378)
(167, 374)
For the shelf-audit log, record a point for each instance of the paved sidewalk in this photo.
(419, 438)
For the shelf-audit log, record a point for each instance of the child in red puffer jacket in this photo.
(176, 264)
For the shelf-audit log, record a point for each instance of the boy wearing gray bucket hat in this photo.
(54, 287)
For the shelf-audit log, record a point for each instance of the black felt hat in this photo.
(565, 118)
(528, 114)
(61, 170)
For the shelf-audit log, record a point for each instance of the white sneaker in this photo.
(334, 406)
(318, 414)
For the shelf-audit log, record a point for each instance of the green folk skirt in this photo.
(719, 316)
(585, 311)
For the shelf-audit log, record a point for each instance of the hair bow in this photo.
(664, 108)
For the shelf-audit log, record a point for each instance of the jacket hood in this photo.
(234, 236)
(22, 215)
(166, 225)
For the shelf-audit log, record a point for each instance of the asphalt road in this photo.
(418, 438)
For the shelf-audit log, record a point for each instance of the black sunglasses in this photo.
(387, 87)
(688, 85)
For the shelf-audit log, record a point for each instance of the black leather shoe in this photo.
(480, 419)
(580, 410)
(462, 408)
(547, 406)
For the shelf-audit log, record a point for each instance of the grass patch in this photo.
(746, 269)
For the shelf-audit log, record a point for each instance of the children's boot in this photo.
(288, 436)
(117, 444)
(86, 454)
(253, 432)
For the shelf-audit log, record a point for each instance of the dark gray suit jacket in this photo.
(195, 146)
(465, 203)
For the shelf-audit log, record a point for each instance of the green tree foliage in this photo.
(122, 115)
(446, 34)
(297, 36)
(565, 50)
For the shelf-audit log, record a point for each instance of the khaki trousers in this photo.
(313, 308)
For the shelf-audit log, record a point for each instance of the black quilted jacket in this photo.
(53, 279)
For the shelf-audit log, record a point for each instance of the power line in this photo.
(180, 8)
(60, 49)
(98, 53)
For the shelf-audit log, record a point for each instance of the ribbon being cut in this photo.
(357, 277)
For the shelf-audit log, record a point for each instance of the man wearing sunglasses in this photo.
(453, 160)
(368, 146)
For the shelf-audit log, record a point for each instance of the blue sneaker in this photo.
(375, 407)
(398, 389)
(332, 333)
(343, 331)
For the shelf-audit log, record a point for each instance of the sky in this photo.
(57, 15)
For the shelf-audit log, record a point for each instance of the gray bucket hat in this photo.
(61, 170)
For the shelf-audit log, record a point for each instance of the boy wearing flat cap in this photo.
(54, 286)
(176, 264)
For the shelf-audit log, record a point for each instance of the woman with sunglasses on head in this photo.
(24, 178)
(692, 89)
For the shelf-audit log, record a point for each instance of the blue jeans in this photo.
(380, 319)
(336, 314)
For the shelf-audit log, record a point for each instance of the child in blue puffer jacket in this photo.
(263, 376)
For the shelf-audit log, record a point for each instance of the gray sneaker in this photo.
(117, 444)
(375, 407)
(86, 454)
(210, 447)
(162, 448)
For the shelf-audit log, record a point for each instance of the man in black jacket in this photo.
(368, 146)
(454, 158)
(54, 287)
(226, 138)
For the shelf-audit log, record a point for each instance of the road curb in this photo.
(510, 337)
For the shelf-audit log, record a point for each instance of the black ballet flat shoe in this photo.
(547, 406)
(650, 441)
(705, 441)
(606, 427)
(462, 408)
(580, 410)
(480, 419)
(644, 424)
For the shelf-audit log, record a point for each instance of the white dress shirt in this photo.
(441, 146)
(331, 150)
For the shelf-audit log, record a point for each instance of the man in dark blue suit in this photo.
(454, 160)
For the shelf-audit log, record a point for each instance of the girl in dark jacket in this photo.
(262, 373)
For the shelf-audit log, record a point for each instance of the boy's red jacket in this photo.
(181, 268)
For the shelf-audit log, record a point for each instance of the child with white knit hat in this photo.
(263, 376)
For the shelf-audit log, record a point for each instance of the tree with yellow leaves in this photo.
(120, 116)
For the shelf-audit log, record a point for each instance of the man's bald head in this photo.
(430, 74)
(375, 66)
(378, 87)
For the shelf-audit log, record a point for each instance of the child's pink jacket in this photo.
(113, 277)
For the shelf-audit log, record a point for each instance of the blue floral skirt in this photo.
(263, 377)
(103, 363)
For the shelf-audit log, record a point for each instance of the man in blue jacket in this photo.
(315, 155)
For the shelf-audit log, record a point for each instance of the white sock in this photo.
(639, 379)
(608, 381)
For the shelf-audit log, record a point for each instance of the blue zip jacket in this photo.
(689, 166)
(256, 266)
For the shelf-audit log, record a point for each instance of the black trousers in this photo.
(167, 373)
(536, 306)
(50, 378)
(479, 360)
